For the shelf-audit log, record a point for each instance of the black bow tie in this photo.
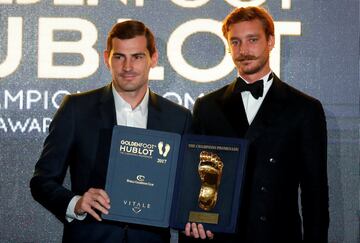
(256, 88)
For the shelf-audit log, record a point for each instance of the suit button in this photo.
(263, 189)
(263, 218)
(272, 160)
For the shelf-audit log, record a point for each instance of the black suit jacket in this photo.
(79, 139)
(288, 149)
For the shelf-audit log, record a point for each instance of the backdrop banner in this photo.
(50, 48)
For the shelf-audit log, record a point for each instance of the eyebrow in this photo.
(247, 36)
(253, 35)
(133, 54)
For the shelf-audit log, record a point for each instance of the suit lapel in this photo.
(107, 122)
(270, 110)
(154, 112)
(234, 110)
(107, 108)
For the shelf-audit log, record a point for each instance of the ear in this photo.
(271, 42)
(106, 58)
(154, 59)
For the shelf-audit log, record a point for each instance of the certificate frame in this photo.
(141, 175)
(233, 153)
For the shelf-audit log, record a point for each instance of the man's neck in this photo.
(133, 98)
(251, 78)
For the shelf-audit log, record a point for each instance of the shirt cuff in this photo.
(174, 236)
(70, 211)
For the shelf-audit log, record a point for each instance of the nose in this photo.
(127, 65)
(242, 49)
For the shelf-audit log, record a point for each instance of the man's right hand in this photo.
(93, 199)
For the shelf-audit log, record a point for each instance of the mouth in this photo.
(246, 59)
(128, 75)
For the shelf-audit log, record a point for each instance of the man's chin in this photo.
(249, 71)
(129, 89)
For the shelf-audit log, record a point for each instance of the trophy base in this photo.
(202, 217)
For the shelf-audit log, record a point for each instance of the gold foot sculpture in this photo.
(210, 171)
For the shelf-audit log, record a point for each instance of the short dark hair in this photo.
(130, 29)
(249, 14)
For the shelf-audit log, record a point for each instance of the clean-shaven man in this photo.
(80, 135)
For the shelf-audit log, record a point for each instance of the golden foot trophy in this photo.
(210, 171)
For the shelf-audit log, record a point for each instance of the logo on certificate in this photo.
(137, 206)
(137, 148)
(140, 180)
(163, 149)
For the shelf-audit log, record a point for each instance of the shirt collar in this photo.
(266, 77)
(121, 104)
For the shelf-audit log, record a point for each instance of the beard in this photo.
(258, 63)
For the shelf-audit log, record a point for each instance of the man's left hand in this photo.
(197, 231)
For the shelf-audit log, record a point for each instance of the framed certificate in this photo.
(160, 179)
(141, 175)
(209, 182)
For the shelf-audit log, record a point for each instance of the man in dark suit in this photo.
(288, 141)
(80, 135)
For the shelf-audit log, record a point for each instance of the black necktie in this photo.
(256, 88)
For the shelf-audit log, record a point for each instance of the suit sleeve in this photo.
(50, 170)
(313, 181)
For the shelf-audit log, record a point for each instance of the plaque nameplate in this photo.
(203, 217)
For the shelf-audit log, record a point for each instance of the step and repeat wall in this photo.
(50, 48)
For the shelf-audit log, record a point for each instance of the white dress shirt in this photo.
(125, 116)
(251, 104)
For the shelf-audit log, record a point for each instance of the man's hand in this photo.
(93, 199)
(197, 230)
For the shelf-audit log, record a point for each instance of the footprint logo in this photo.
(163, 150)
(160, 147)
(167, 149)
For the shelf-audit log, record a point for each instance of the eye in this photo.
(138, 57)
(253, 40)
(120, 57)
(234, 42)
